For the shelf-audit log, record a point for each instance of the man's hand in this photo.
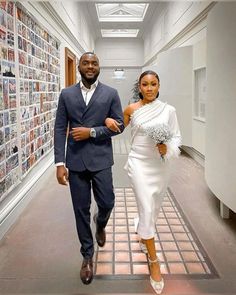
(112, 124)
(162, 148)
(62, 175)
(80, 133)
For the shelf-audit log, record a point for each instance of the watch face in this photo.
(92, 133)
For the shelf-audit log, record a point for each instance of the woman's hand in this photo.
(112, 124)
(162, 148)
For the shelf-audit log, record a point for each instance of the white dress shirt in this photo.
(87, 94)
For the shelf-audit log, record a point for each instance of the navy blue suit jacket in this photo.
(94, 153)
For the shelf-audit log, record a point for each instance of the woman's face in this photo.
(149, 87)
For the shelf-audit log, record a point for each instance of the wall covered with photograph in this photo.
(29, 89)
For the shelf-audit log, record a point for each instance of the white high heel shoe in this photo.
(136, 220)
(157, 286)
(143, 247)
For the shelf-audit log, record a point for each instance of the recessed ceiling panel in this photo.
(119, 33)
(120, 12)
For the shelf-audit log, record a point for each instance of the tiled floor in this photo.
(178, 248)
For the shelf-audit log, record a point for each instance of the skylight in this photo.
(119, 33)
(121, 12)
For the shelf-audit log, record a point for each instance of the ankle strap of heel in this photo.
(152, 261)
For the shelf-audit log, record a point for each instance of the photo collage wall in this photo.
(29, 90)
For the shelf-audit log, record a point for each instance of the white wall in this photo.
(174, 68)
(75, 16)
(184, 33)
(220, 160)
(121, 52)
(171, 20)
(125, 53)
(198, 131)
(124, 87)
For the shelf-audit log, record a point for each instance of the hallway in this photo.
(196, 248)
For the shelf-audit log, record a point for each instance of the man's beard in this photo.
(90, 81)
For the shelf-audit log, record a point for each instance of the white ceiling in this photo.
(120, 19)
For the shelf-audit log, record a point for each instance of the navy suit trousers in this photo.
(81, 184)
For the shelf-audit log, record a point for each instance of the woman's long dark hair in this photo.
(148, 73)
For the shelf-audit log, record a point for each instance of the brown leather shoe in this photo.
(100, 234)
(86, 272)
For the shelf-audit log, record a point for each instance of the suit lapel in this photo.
(82, 104)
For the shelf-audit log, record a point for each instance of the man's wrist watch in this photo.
(92, 132)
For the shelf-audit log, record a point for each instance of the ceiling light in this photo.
(118, 74)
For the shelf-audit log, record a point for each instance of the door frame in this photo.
(70, 67)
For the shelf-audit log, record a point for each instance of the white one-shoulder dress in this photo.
(148, 172)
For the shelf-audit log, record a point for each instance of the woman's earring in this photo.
(140, 95)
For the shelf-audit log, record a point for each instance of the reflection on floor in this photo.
(178, 248)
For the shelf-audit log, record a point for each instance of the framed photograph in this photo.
(21, 71)
(24, 99)
(30, 61)
(27, 151)
(22, 85)
(6, 118)
(24, 32)
(2, 185)
(8, 149)
(3, 52)
(7, 134)
(2, 171)
(26, 86)
(26, 72)
(3, 18)
(1, 102)
(12, 102)
(2, 154)
(5, 94)
(13, 116)
(1, 120)
(14, 161)
(24, 45)
(8, 69)
(14, 147)
(1, 136)
(24, 165)
(10, 23)
(24, 113)
(10, 39)
(3, 5)
(20, 43)
(8, 183)
(23, 140)
(19, 14)
(3, 35)
(12, 86)
(10, 7)
(19, 28)
(22, 57)
(31, 73)
(11, 54)
(13, 132)
(27, 138)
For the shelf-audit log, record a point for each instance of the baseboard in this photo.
(196, 155)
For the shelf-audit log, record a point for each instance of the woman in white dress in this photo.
(149, 161)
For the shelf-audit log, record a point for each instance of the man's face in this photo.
(89, 68)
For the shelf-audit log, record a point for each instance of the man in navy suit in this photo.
(83, 109)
